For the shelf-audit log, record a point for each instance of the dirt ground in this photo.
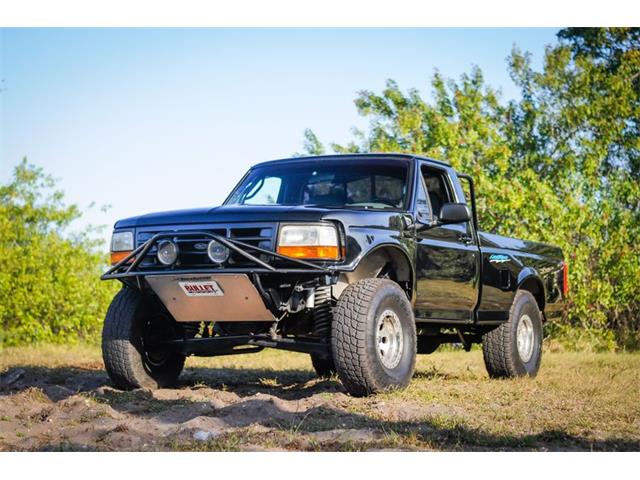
(59, 398)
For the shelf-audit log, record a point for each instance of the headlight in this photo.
(309, 241)
(167, 252)
(217, 252)
(121, 246)
(122, 242)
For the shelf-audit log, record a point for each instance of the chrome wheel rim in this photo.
(525, 337)
(389, 339)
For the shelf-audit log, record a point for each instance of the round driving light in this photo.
(218, 253)
(167, 252)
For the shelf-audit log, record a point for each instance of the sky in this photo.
(148, 120)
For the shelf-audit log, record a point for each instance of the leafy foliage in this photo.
(560, 165)
(49, 281)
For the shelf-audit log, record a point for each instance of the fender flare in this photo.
(396, 249)
(529, 279)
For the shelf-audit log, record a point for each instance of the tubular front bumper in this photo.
(240, 300)
(129, 266)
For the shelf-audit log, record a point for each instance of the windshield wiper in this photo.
(347, 206)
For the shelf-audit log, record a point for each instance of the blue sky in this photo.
(157, 119)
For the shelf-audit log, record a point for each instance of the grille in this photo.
(193, 249)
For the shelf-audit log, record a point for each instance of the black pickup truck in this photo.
(361, 261)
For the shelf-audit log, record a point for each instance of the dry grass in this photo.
(50, 356)
(578, 402)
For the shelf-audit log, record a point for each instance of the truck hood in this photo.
(226, 214)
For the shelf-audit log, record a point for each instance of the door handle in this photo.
(466, 239)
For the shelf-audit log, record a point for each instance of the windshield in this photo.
(374, 184)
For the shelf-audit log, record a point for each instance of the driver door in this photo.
(447, 270)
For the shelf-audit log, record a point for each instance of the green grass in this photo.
(579, 401)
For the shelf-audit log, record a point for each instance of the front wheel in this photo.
(374, 337)
(131, 330)
(514, 349)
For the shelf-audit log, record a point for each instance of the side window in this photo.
(265, 192)
(423, 212)
(437, 188)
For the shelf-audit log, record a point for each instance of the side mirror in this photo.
(454, 213)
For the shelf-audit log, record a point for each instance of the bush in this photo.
(49, 279)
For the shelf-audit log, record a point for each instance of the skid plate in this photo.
(210, 298)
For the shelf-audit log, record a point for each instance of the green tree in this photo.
(578, 127)
(558, 165)
(49, 279)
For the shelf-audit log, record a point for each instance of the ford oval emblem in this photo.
(200, 246)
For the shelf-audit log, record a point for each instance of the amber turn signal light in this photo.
(313, 252)
(118, 257)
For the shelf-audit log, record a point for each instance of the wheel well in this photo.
(387, 262)
(534, 286)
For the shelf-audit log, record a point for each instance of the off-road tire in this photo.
(324, 367)
(500, 348)
(353, 338)
(126, 362)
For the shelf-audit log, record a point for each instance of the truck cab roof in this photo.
(352, 156)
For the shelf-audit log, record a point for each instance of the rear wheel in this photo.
(132, 330)
(514, 349)
(374, 337)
